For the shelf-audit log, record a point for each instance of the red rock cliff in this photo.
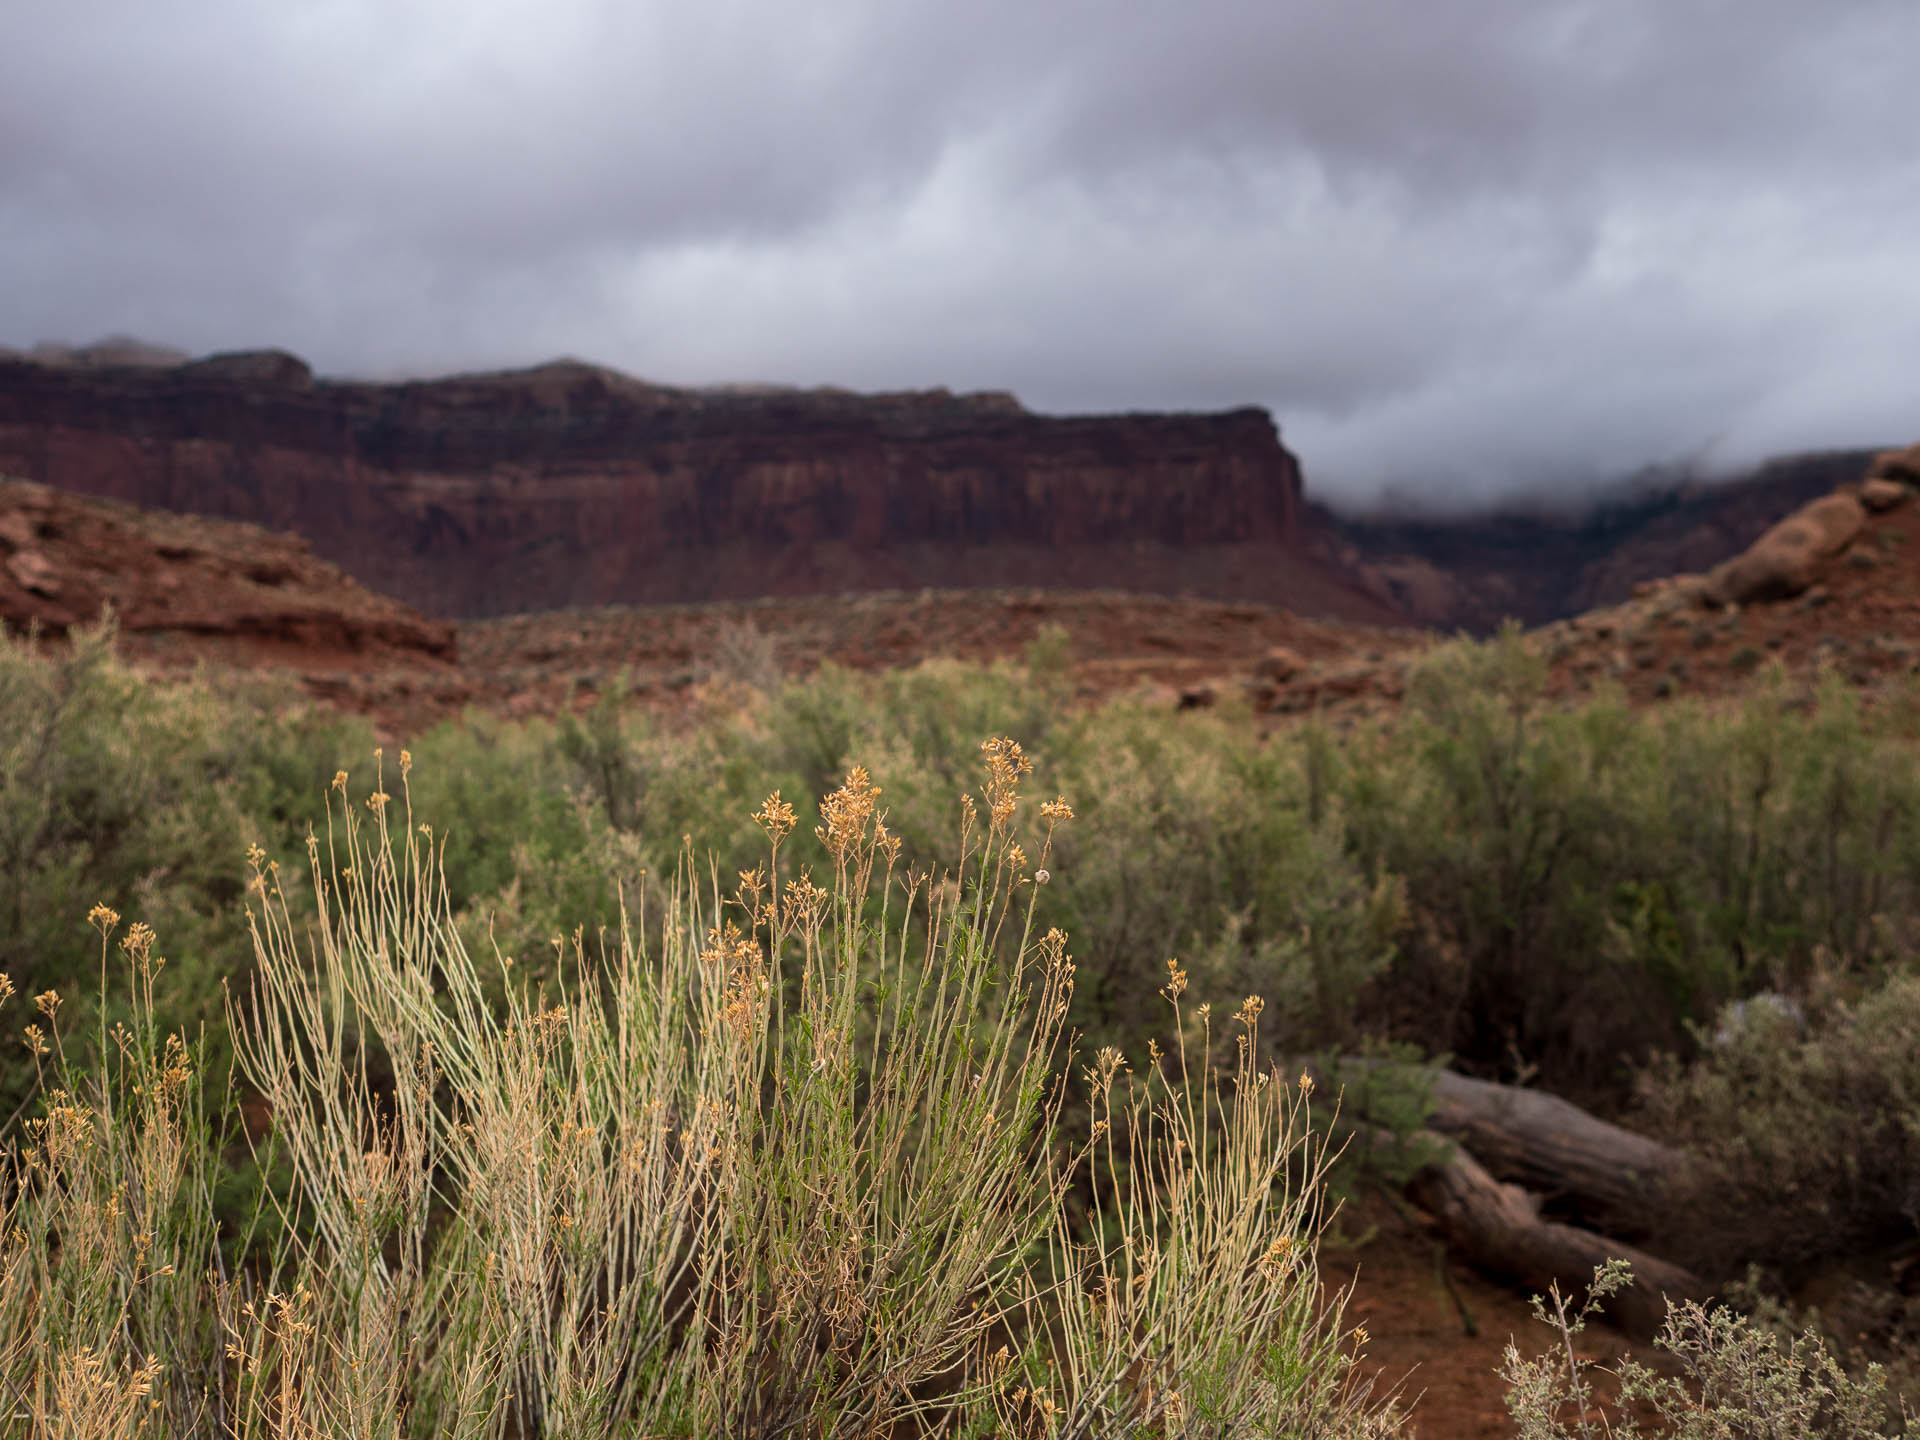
(574, 485)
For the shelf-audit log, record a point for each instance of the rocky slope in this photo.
(1475, 571)
(1831, 589)
(186, 589)
(571, 485)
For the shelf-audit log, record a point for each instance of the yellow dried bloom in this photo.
(1250, 1009)
(804, 899)
(377, 799)
(1053, 948)
(6, 988)
(406, 763)
(1107, 1063)
(47, 1002)
(738, 960)
(1006, 763)
(1176, 981)
(776, 817)
(1056, 810)
(1276, 1262)
(1005, 759)
(1306, 1083)
(340, 781)
(36, 1041)
(103, 919)
(846, 812)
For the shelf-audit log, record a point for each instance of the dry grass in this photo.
(789, 1168)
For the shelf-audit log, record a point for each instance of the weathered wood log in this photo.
(1553, 1147)
(1544, 1143)
(1505, 1134)
(1497, 1227)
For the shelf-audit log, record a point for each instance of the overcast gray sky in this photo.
(1459, 247)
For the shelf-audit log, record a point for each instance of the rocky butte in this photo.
(575, 485)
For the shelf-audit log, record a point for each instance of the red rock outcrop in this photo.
(186, 589)
(1786, 560)
(571, 485)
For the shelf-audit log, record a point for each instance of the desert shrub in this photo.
(744, 655)
(1520, 830)
(114, 790)
(669, 1193)
(108, 1310)
(1585, 881)
(1199, 841)
(1735, 1381)
(1827, 1125)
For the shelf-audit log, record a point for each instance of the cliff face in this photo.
(571, 485)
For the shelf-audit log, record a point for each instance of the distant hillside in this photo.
(571, 485)
(1475, 571)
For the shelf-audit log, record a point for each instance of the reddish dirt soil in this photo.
(1417, 1342)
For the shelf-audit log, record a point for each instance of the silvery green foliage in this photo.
(1735, 1382)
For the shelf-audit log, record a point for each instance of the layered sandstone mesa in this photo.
(572, 485)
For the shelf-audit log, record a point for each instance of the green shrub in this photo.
(116, 790)
(793, 1172)
(1536, 888)
(1826, 1126)
(1585, 881)
(1735, 1381)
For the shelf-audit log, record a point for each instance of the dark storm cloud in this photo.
(1459, 247)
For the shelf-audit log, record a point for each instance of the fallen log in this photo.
(1544, 1143)
(1497, 1227)
(1553, 1150)
(1553, 1147)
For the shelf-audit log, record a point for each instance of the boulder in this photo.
(1896, 465)
(1787, 559)
(256, 367)
(31, 570)
(1879, 494)
(1279, 665)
